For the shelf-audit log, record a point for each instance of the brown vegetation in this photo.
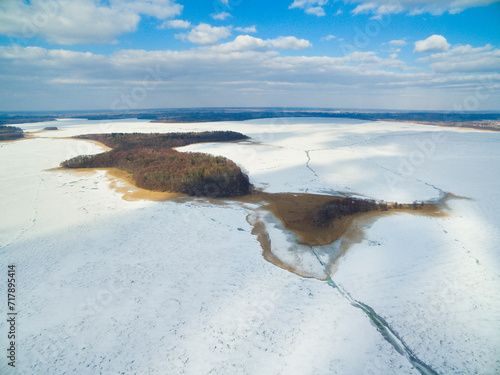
(299, 213)
(340, 207)
(154, 165)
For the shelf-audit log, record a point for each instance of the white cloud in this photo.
(176, 24)
(205, 34)
(248, 75)
(290, 43)
(242, 43)
(364, 8)
(252, 55)
(398, 43)
(79, 21)
(314, 7)
(315, 11)
(328, 38)
(160, 9)
(221, 16)
(250, 43)
(465, 59)
(434, 43)
(246, 30)
(433, 7)
(394, 52)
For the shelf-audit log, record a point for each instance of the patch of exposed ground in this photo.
(296, 213)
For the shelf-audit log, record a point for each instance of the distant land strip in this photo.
(478, 120)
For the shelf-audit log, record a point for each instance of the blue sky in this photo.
(375, 54)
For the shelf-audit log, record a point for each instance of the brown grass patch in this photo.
(296, 212)
(121, 182)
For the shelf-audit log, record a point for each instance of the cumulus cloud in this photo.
(221, 16)
(246, 30)
(290, 43)
(249, 74)
(314, 7)
(205, 34)
(465, 59)
(316, 11)
(160, 9)
(79, 21)
(252, 55)
(434, 43)
(242, 43)
(362, 8)
(398, 43)
(433, 7)
(328, 38)
(250, 43)
(175, 24)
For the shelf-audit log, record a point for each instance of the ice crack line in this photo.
(317, 257)
(307, 163)
(442, 193)
(401, 176)
(389, 335)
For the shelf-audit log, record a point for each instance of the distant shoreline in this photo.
(473, 120)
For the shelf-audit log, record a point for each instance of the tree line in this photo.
(340, 207)
(8, 133)
(126, 141)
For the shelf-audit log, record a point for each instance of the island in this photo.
(9, 133)
(155, 165)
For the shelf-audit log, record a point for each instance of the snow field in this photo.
(111, 286)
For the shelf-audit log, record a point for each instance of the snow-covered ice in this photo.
(106, 285)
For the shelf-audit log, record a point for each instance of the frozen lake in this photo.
(106, 285)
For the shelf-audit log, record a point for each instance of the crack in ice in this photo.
(387, 332)
(308, 166)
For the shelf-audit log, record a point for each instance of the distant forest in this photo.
(127, 141)
(8, 133)
(155, 165)
(482, 120)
